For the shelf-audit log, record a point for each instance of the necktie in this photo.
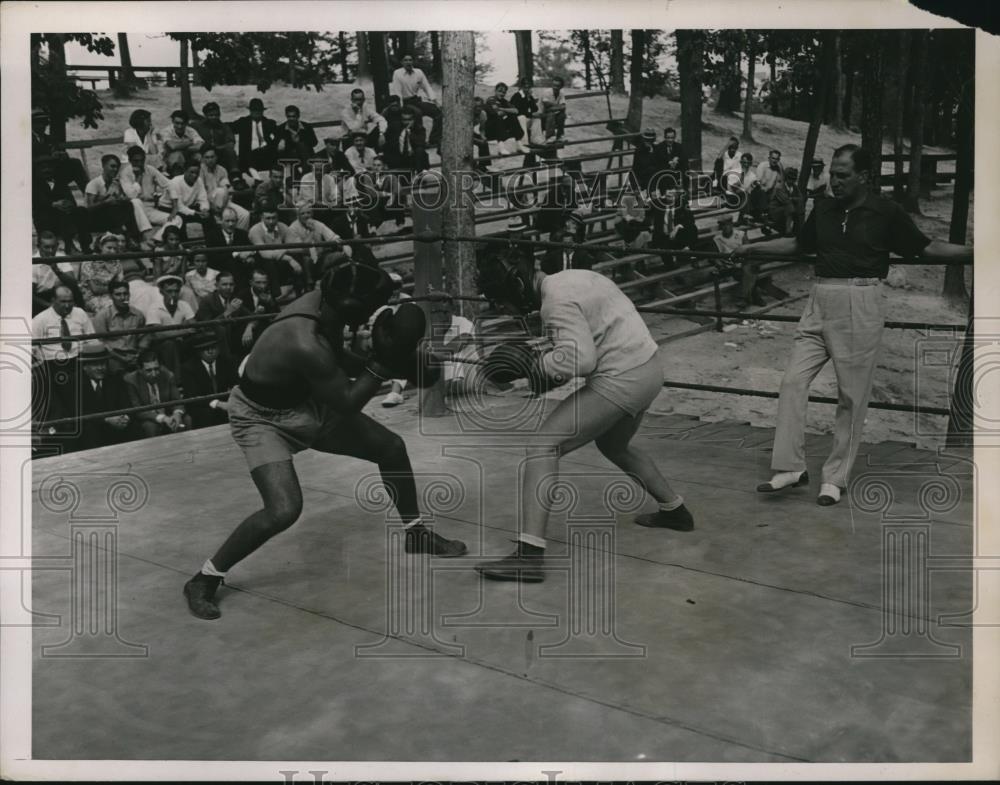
(211, 376)
(257, 131)
(154, 394)
(99, 389)
(64, 333)
(406, 144)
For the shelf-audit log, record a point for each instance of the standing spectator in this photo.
(108, 207)
(526, 105)
(186, 198)
(46, 277)
(147, 184)
(66, 168)
(501, 120)
(218, 187)
(644, 159)
(100, 392)
(141, 134)
(818, 186)
(223, 304)
(217, 134)
(727, 164)
(257, 138)
(296, 139)
(152, 384)
(208, 373)
(279, 263)
(53, 208)
(169, 343)
(123, 350)
(306, 229)
(180, 142)
(726, 242)
(554, 106)
(228, 233)
(408, 83)
(357, 119)
(257, 299)
(96, 275)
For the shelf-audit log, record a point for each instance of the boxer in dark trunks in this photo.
(296, 393)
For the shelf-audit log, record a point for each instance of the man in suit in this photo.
(67, 168)
(258, 138)
(227, 233)
(670, 148)
(152, 384)
(257, 299)
(208, 373)
(224, 304)
(406, 149)
(296, 139)
(54, 209)
(101, 392)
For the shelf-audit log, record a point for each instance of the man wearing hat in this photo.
(141, 134)
(208, 372)
(258, 138)
(101, 391)
(172, 310)
(818, 185)
(67, 169)
(217, 134)
(644, 159)
(359, 155)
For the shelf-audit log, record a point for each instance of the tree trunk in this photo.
(379, 59)
(954, 275)
(195, 66)
(902, 86)
(525, 59)
(848, 106)
(636, 88)
(747, 134)
(729, 91)
(690, 60)
(617, 62)
(827, 67)
(837, 120)
(436, 66)
(127, 84)
(871, 105)
(774, 85)
(57, 67)
(184, 80)
(364, 63)
(345, 73)
(585, 45)
(918, 71)
(407, 43)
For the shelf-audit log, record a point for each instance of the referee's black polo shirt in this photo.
(856, 243)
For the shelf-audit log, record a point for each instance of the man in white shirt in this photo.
(145, 183)
(179, 141)
(109, 208)
(306, 229)
(61, 319)
(356, 118)
(141, 134)
(408, 82)
(46, 277)
(359, 155)
(279, 264)
(186, 196)
(554, 106)
(218, 188)
(172, 310)
(727, 163)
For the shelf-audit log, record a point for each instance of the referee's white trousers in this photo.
(842, 322)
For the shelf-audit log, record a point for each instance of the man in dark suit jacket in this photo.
(101, 392)
(54, 209)
(406, 147)
(258, 138)
(296, 139)
(256, 299)
(224, 304)
(224, 233)
(152, 384)
(210, 372)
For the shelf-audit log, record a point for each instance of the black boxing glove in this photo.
(422, 369)
(396, 336)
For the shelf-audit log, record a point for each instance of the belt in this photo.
(849, 281)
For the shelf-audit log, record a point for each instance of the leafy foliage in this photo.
(52, 89)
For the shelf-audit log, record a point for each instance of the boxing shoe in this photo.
(200, 595)
(420, 539)
(526, 565)
(679, 520)
(767, 487)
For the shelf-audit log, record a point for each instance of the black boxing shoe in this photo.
(420, 539)
(526, 565)
(680, 520)
(200, 595)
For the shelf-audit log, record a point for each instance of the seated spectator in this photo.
(122, 351)
(54, 209)
(199, 282)
(331, 157)
(180, 143)
(143, 295)
(644, 160)
(479, 139)
(218, 188)
(726, 242)
(99, 392)
(186, 198)
(152, 384)
(633, 223)
(674, 227)
(359, 156)
(357, 119)
(176, 262)
(408, 83)
(223, 304)
(455, 338)
(272, 193)
(727, 164)
(670, 148)
(217, 134)
(526, 105)
(381, 198)
(573, 231)
(109, 208)
(554, 107)
(257, 299)
(242, 188)
(407, 151)
(502, 125)
(282, 268)
(557, 202)
(769, 173)
(296, 139)
(818, 186)
(46, 277)
(784, 208)
(147, 184)
(257, 141)
(169, 344)
(228, 233)
(207, 373)
(142, 135)
(66, 168)
(96, 275)
(306, 229)
(740, 186)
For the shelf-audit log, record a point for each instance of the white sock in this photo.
(413, 523)
(209, 569)
(784, 479)
(531, 539)
(826, 489)
(668, 506)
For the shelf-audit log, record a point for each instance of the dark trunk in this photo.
(127, 83)
(918, 74)
(848, 105)
(690, 63)
(747, 134)
(774, 85)
(729, 91)
(634, 120)
(379, 59)
(837, 92)
(954, 275)
(184, 79)
(57, 67)
(525, 58)
(345, 73)
(436, 67)
(364, 63)
(827, 67)
(902, 88)
(407, 43)
(871, 104)
(587, 57)
(617, 62)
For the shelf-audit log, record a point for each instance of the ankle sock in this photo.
(826, 489)
(416, 523)
(532, 540)
(784, 479)
(672, 505)
(209, 569)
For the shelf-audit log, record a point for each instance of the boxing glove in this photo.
(396, 336)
